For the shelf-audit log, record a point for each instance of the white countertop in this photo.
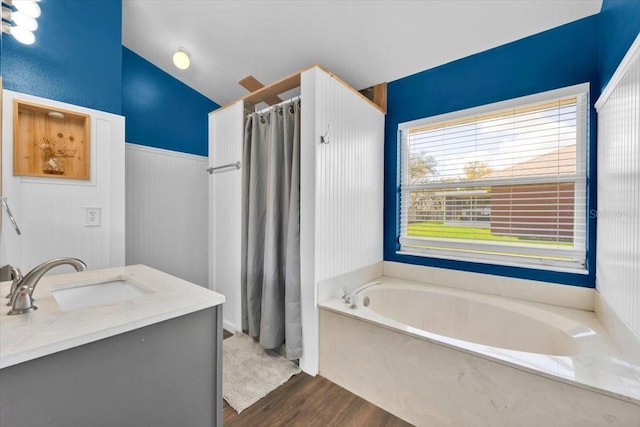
(49, 329)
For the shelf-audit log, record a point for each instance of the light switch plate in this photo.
(92, 217)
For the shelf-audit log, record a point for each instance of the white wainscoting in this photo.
(618, 238)
(226, 131)
(50, 212)
(166, 212)
(341, 217)
(349, 180)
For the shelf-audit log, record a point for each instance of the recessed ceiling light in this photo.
(181, 59)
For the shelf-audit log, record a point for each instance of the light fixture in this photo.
(28, 8)
(19, 19)
(23, 21)
(20, 34)
(181, 59)
(56, 114)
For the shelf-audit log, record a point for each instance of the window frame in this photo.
(467, 251)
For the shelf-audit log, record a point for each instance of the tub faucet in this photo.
(22, 298)
(352, 297)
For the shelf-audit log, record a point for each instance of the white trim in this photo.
(578, 89)
(230, 327)
(493, 252)
(164, 152)
(310, 260)
(624, 65)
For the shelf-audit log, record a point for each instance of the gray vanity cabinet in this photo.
(165, 374)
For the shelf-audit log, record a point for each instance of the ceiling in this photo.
(363, 42)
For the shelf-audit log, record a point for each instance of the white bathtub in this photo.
(438, 356)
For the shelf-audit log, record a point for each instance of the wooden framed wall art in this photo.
(50, 142)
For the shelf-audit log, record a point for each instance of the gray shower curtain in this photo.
(271, 228)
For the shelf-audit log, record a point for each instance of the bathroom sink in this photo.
(107, 291)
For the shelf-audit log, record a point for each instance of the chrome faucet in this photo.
(22, 297)
(352, 297)
(16, 276)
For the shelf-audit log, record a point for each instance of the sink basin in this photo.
(109, 291)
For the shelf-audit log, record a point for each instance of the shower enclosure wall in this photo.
(341, 194)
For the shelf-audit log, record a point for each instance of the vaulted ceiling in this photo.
(363, 42)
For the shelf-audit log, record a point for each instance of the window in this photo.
(503, 183)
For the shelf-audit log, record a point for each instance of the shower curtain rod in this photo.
(264, 110)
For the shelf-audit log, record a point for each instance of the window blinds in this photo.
(503, 184)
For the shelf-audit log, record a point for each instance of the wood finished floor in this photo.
(310, 401)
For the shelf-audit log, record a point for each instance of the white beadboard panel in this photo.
(349, 180)
(341, 192)
(618, 216)
(225, 210)
(50, 212)
(114, 165)
(167, 226)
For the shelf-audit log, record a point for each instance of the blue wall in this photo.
(161, 111)
(560, 57)
(76, 57)
(620, 24)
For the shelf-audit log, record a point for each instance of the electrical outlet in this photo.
(92, 217)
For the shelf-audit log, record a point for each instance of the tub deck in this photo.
(593, 364)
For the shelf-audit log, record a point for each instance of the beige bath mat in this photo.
(250, 373)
